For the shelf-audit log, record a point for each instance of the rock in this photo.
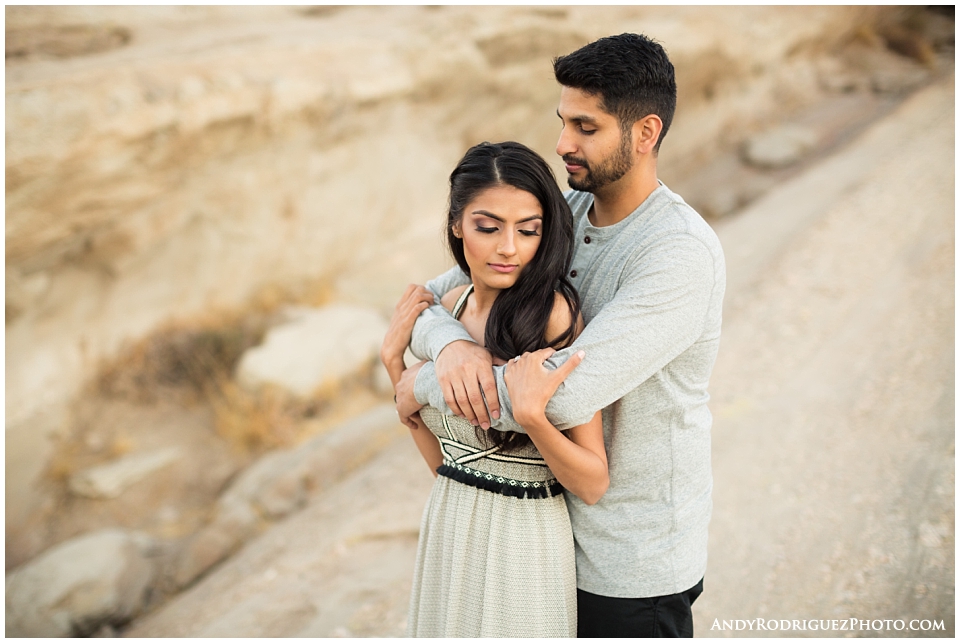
(779, 147)
(112, 479)
(79, 586)
(898, 81)
(719, 203)
(835, 76)
(281, 482)
(318, 348)
(234, 523)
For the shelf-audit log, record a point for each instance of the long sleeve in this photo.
(434, 329)
(657, 313)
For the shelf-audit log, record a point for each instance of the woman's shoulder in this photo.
(449, 300)
(560, 319)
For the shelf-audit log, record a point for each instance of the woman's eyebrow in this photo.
(493, 216)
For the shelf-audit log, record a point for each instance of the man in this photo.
(651, 277)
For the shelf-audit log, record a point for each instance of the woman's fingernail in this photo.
(496, 415)
(581, 354)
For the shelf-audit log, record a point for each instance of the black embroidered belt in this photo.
(499, 484)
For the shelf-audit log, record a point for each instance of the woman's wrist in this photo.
(531, 419)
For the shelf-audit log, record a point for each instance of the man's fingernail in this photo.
(496, 415)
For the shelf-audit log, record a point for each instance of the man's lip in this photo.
(572, 167)
(503, 267)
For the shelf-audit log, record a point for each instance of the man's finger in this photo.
(463, 400)
(451, 399)
(476, 403)
(567, 367)
(488, 385)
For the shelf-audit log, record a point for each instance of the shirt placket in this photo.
(588, 244)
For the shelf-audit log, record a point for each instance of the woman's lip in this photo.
(502, 267)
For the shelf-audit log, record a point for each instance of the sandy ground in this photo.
(833, 440)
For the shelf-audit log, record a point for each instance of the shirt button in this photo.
(586, 239)
(573, 273)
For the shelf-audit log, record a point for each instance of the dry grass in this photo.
(193, 363)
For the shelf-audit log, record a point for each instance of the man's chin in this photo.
(579, 185)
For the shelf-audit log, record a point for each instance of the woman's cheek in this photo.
(473, 249)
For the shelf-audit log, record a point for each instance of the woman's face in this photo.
(501, 230)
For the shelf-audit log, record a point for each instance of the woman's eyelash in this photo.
(526, 233)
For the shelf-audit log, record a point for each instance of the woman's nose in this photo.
(507, 247)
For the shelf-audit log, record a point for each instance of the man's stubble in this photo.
(606, 172)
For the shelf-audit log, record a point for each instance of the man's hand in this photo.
(465, 373)
(407, 405)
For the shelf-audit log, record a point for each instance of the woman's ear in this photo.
(455, 228)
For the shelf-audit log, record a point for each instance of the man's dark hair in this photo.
(630, 72)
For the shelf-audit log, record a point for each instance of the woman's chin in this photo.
(498, 281)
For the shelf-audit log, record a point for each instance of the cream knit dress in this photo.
(496, 556)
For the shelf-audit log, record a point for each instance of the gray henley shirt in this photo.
(652, 289)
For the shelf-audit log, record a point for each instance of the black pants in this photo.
(658, 616)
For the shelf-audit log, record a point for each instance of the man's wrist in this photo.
(421, 384)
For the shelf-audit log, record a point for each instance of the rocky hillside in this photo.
(176, 173)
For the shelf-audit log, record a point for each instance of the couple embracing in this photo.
(562, 400)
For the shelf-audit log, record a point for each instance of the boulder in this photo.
(282, 482)
(317, 348)
(779, 147)
(112, 479)
(233, 524)
(78, 586)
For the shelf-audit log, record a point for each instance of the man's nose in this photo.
(565, 145)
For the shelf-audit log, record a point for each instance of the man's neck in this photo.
(615, 202)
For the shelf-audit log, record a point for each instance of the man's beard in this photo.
(606, 172)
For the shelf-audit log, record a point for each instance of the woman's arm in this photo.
(578, 459)
(414, 300)
(427, 444)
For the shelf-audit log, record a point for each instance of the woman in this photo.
(495, 557)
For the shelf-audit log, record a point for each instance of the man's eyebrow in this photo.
(493, 216)
(582, 118)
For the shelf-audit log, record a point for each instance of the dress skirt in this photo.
(492, 563)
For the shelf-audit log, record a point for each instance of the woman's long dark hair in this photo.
(518, 319)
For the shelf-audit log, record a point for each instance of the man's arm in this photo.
(436, 327)
(657, 313)
(465, 368)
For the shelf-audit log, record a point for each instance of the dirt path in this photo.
(833, 443)
(833, 396)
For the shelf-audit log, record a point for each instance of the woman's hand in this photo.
(531, 385)
(414, 301)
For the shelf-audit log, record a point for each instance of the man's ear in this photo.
(646, 133)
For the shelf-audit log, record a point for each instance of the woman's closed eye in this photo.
(486, 230)
(529, 233)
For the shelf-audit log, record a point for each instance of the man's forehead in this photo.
(576, 104)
